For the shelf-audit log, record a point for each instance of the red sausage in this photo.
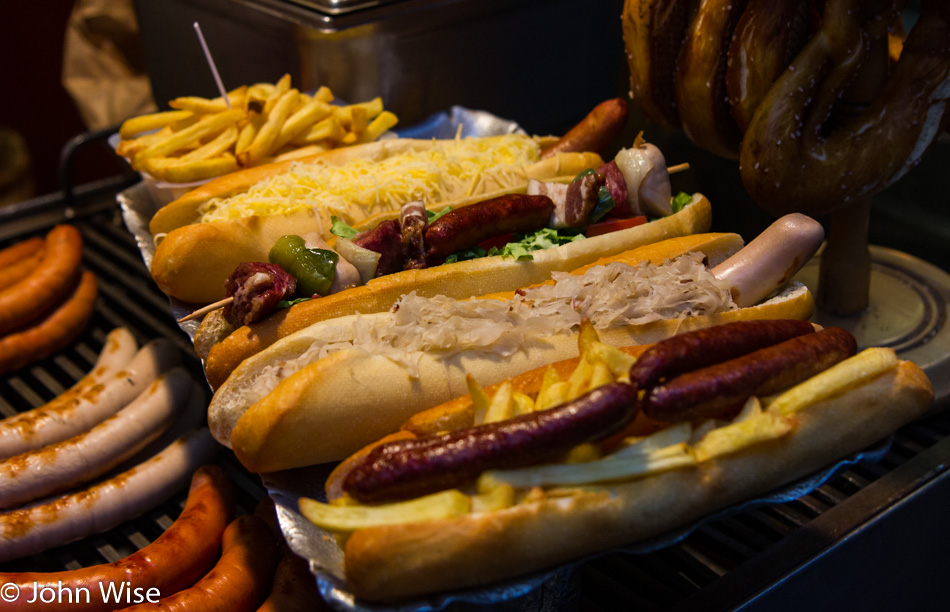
(595, 132)
(54, 332)
(50, 281)
(18, 270)
(417, 466)
(175, 560)
(721, 390)
(703, 347)
(466, 226)
(239, 581)
(20, 250)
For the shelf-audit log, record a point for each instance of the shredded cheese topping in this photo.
(610, 296)
(444, 171)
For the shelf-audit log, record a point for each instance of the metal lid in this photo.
(339, 7)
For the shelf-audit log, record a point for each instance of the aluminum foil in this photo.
(547, 590)
(544, 591)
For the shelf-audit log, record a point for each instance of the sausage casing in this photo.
(413, 467)
(466, 226)
(704, 347)
(720, 390)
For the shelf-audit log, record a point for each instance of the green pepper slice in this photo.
(314, 269)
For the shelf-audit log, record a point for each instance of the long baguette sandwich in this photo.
(203, 236)
(605, 450)
(225, 345)
(321, 393)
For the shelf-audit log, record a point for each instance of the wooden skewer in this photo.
(222, 303)
(205, 310)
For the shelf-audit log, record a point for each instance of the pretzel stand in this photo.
(884, 297)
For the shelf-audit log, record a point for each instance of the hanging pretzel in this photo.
(792, 158)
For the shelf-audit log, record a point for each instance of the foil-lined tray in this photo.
(544, 591)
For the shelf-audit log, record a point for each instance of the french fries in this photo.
(203, 138)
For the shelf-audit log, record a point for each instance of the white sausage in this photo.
(771, 259)
(107, 504)
(16, 431)
(77, 412)
(64, 465)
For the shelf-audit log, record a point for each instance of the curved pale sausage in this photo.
(173, 561)
(87, 404)
(771, 258)
(72, 462)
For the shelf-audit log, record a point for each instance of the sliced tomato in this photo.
(614, 225)
(497, 241)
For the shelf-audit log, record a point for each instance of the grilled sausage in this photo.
(78, 460)
(771, 258)
(175, 560)
(54, 332)
(239, 580)
(20, 250)
(18, 270)
(466, 226)
(409, 468)
(720, 390)
(86, 405)
(595, 132)
(704, 347)
(53, 278)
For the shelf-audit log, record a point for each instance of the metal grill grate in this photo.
(127, 297)
(689, 575)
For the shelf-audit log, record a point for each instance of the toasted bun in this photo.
(460, 280)
(385, 563)
(193, 258)
(351, 398)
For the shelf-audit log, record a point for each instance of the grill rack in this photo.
(701, 572)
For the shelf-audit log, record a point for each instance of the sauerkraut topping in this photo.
(610, 296)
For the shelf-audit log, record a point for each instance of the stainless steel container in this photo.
(543, 63)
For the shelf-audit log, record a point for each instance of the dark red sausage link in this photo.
(466, 226)
(418, 466)
(721, 390)
(582, 195)
(595, 132)
(385, 239)
(703, 347)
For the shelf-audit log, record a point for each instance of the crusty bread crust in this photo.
(385, 563)
(460, 280)
(192, 258)
(333, 406)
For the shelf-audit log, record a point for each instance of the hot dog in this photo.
(656, 479)
(238, 581)
(458, 280)
(272, 405)
(112, 386)
(204, 235)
